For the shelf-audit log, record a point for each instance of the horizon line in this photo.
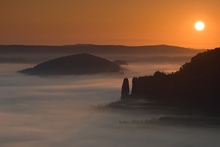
(91, 44)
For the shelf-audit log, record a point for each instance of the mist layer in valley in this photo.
(154, 53)
(69, 111)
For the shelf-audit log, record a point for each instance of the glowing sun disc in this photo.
(199, 25)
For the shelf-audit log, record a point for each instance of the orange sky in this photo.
(124, 22)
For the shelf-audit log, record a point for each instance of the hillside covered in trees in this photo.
(196, 83)
(77, 64)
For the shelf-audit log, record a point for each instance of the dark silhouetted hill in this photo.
(74, 64)
(151, 53)
(120, 62)
(197, 83)
(88, 48)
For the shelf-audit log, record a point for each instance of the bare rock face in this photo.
(135, 86)
(125, 89)
(74, 65)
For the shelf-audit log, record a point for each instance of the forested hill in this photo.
(197, 82)
(77, 64)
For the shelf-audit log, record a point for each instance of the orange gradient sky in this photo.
(124, 22)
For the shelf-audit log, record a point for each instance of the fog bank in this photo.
(67, 111)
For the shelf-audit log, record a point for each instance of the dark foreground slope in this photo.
(196, 83)
(74, 64)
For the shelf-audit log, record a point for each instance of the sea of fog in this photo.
(68, 111)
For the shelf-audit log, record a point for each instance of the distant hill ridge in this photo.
(88, 48)
(76, 64)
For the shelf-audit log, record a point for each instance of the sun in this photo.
(199, 26)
